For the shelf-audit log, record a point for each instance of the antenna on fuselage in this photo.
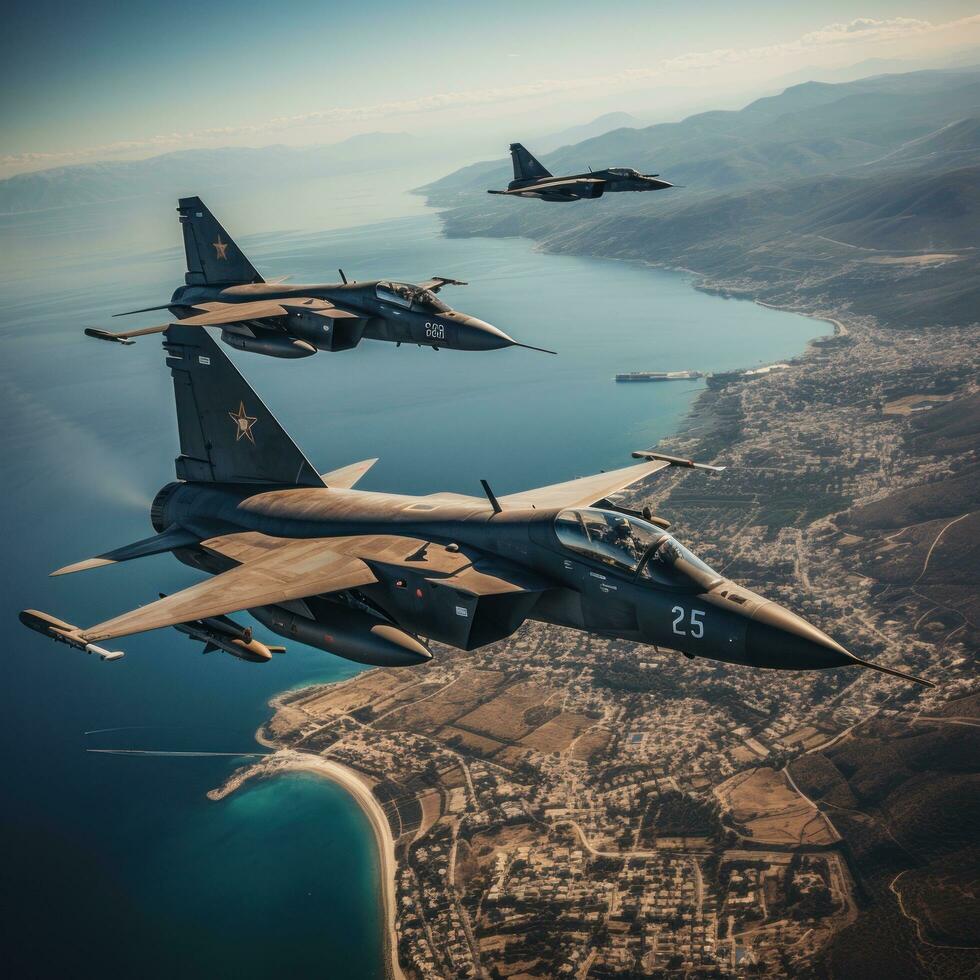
(342, 276)
(494, 503)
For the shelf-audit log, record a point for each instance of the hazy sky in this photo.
(101, 79)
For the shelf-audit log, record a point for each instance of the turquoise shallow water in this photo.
(120, 864)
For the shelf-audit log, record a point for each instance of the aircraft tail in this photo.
(212, 257)
(227, 435)
(525, 165)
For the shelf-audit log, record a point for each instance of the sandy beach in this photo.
(286, 760)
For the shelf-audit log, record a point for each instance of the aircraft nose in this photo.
(776, 637)
(475, 334)
(658, 184)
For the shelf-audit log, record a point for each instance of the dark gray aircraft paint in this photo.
(531, 179)
(364, 574)
(223, 289)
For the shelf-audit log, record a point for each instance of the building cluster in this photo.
(571, 856)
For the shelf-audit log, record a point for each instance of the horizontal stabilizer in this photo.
(345, 477)
(173, 537)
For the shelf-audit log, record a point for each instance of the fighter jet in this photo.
(532, 180)
(367, 575)
(223, 289)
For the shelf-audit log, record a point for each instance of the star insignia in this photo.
(220, 248)
(243, 423)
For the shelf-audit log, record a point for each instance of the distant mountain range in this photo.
(576, 134)
(197, 171)
(803, 189)
(808, 129)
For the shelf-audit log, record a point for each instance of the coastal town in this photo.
(560, 805)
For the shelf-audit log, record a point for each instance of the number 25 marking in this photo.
(697, 622)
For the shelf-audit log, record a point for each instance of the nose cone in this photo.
(779, 638)
(254, 651)
(475, 334)
(656, 184)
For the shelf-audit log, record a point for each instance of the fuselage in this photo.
(592, 184)
(383, 310)
(644, 586)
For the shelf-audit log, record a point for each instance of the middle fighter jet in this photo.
(223, 289)
(365, 575)
(532, 180)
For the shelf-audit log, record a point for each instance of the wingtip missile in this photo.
(62, 632)
(676, 460)
(108, 335)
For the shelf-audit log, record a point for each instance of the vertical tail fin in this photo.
(212, 257)
(227, 435)
(525, 165)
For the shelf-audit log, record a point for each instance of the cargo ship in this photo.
(659, 376)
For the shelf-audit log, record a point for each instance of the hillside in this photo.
(808, 129)
(905, 798)
(863, 196)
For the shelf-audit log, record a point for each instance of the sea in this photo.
(119, 864)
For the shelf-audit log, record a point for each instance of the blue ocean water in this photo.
(121, 864)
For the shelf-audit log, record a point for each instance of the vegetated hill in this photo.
(953, 428)
(906, 799)
(919, 540)
(954, 144)
(173, 173)
(904, 213)
(948, 497)
(826, 237)
(894, 167)
(808, 129)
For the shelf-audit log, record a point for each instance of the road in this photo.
(925, 564)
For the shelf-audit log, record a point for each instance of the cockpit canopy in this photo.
(410, 297)
(633, 546)
(625, 172)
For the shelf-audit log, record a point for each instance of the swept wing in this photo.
(225, 314)
(279, 571)
(579, 186)
(586, 490)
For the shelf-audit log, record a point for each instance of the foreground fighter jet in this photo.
(224, 290)
(532, 180)
(364, 575)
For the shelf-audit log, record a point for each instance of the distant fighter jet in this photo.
(364, 575)
(224, 290)
(532, 180)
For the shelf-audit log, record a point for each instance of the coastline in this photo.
(283, 761)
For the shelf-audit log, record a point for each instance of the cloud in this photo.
(863, 31)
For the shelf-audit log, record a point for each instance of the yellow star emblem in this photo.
(244, 423)
(220, 248)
